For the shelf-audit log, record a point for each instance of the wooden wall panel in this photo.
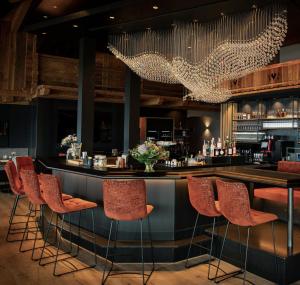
(57, 71)
(226, 117)
(273, 77)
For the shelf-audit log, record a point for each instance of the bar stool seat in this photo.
(259, 217)
(77, 204)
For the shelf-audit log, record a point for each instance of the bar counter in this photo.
(173, 217)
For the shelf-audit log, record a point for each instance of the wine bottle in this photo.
(204, 148)
(212, 147)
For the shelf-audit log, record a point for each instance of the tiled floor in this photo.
(17, 268)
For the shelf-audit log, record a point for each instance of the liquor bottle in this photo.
(212, 147)
(234, 148)
(229, 150)
(219, 144)
(216, 152)
(204, 148)
(226, 144)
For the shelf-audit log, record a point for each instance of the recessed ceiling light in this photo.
(155, 7)
(45, 17)
(75, 26)
(189, 47)
(112, 17)
(44, 33)
(54, 7)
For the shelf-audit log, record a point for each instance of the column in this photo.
(131, 110)
(86, 86)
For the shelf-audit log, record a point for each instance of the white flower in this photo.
(142, 148)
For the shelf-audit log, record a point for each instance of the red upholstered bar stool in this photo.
(52, 195)
(17, 189)
(201, 195)
(125, 200)
(235, 207)
(278, 194)
(31, 186)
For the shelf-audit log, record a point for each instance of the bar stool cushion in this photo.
(277, 194)
(76, 204)
(259, 217)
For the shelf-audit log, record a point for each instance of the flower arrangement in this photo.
(148, 153)
(68, 140)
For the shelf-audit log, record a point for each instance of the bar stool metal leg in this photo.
(104, 278)
(58, 244)
(94, 238)
(12, 214)
(191, 242)
(211, 249)
(246, 255)
(151, 245)
(240, 242)
(26, 229)
(221, 252)
(46, 239)
(142, 251)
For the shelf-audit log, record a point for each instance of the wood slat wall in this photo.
(273, 77)
(226, 117)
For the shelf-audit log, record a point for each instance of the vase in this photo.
(149, 167)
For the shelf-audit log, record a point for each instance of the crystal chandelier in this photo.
(204, 56)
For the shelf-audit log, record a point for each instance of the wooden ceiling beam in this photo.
(17, 15)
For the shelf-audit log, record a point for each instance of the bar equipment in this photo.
(100, 161)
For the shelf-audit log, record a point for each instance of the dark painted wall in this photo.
(19, 125)
(50, 129)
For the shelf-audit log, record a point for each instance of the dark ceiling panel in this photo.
(72, 19)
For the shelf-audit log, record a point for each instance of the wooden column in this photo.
(86, 86)
(226, 116)
(131, 110)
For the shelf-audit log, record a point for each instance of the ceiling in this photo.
(60, 24)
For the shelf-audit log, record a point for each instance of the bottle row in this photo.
(219, 149)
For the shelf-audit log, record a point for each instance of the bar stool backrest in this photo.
(201, 195)
(289, 166)
(31, 186)
(24, 162)
(52, 193)
(234, 202)
(13, 178)
(124, 199)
